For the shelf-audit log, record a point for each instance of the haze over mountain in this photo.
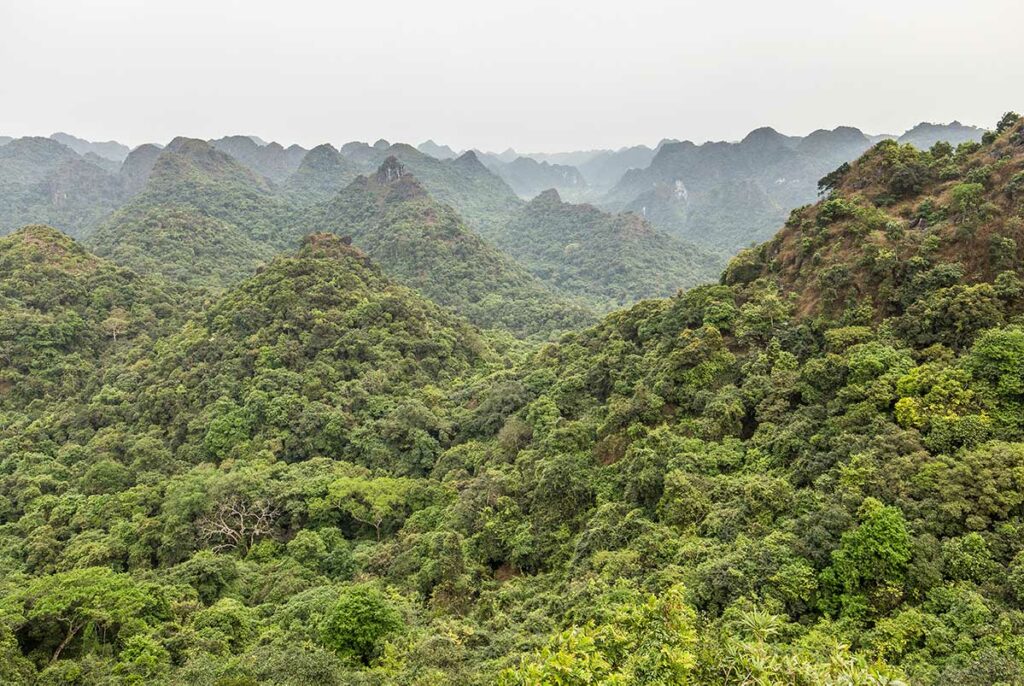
(110, 150)
(724, 196)
(721, 384)
(464, 183)
(42, 180)
(528, 177)
(441, 152)
(270, 160)
(322, 172)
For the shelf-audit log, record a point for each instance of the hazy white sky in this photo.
(531, 74)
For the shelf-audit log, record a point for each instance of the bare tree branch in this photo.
(236, 524)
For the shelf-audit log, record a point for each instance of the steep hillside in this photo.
(180, 243)
(425, 245)
(337, 346)
(603, 171)
(477, 194)
(808, 473)
(607, 260)
(201, 219)
(910, 233)
(62, 310)
(137, 167)
(323, 172)
(42, 180)
(441, 152)
(726, 196)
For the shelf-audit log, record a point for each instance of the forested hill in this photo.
(807, 473)
(322, 173)
(63, 312)
(272, 160)
(42, 180)
(609, 260)
(464, 183)
(201, 218)
(932, 235)
(426, 245)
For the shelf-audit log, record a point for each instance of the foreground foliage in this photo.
(810, 473)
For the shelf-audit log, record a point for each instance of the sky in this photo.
(538, 76)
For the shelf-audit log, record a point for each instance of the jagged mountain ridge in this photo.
(426, 245)
(725, 196)
(109, 150)
(42, 180)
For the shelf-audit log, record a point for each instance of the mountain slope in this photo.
(62, 310)
(425, 245)
(323, 172)
(608, 260)
(108, 150)
(323, 478)
(137, 167)
(42, 180)
(464, 183)
(201, 218)
(604, 170)
(899, 223)
(726, 196)
(441, 152)
(270, 160)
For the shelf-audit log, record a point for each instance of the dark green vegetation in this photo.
(425, 245)
(64, 313)
(322, 173)
(811, 472)
(201, 218)
(608, 260)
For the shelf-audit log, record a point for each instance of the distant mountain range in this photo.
(224, 206)
(108, 150)
(528, 177)
(724, 196)
(610, 260)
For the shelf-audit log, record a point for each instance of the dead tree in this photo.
(237, 523)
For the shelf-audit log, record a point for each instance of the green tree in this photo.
(359, 621)
(94, 596)
(871, 562)
(380, 503)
